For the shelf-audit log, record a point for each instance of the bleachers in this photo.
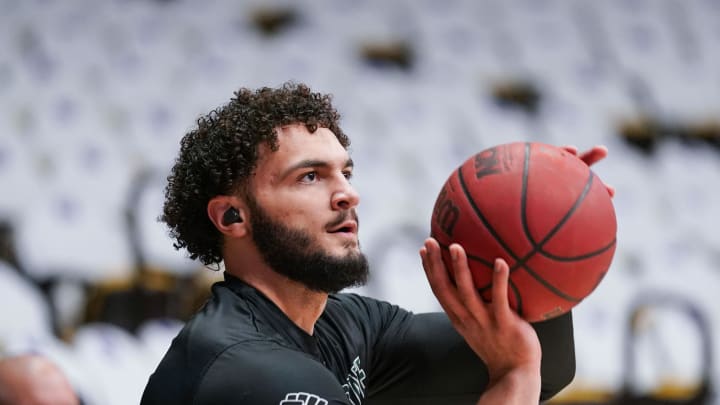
(95, 96)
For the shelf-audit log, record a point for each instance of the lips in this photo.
(345, 223)
(345, 227)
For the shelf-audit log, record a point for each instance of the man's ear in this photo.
(227, 213)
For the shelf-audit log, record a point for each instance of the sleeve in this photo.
(425, 361)
(268, 375)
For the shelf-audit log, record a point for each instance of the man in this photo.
(263, 185)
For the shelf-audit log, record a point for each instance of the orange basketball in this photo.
(541, 209)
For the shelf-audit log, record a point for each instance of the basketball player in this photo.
(263, 185)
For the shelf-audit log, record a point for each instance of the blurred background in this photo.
(95, 96)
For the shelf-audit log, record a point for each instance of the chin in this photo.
(347, 250)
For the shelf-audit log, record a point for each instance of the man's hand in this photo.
(506, 343)
(590, 157)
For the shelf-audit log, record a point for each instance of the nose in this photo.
(345, 197)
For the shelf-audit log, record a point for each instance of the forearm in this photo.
(557, 366)
(517, 387)
(558, 354)
(433, 360)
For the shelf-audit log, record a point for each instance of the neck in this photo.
(300, 304)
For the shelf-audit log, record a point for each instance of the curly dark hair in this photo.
(220, 155)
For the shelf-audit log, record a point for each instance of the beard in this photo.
(295, 254)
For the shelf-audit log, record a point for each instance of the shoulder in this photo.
(366, 310)
(225, 320)
(362, 305)
(222, 323)
(262, 372)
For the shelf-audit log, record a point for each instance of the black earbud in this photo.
(231, 216)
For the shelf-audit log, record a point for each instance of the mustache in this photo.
(342, 217)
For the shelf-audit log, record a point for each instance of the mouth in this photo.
(347, 227)
(345, 224)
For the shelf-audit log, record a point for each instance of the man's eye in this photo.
(348, 175)
(309, 177)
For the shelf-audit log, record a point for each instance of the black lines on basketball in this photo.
(569, 214)
(470, 257)
(537, 246)
(515, 292)
(580, 257)
(518, 297)
(544, 211)
(521, 262)
(480, 215)
(523, 195)
(549, 286)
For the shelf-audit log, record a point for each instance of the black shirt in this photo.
(241, 349)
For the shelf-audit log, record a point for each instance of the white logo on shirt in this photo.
(302, 398)
(355, 387)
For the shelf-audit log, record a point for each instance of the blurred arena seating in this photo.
(95, 96)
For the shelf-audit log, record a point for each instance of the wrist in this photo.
(517, 386)
(525, 377)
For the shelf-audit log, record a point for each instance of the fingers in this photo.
(501, 304)
(439, 280)
(610, 190)
(461, 300)
(571, 149)
(594, 155)
(465, 284)
(432, 263)
(590, 157)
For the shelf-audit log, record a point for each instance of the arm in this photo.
(423, 358)
(429, 359)
(432, 360)
(515, 384)
(517, 387)
(506, 343)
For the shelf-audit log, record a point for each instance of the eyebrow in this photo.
(314, 163)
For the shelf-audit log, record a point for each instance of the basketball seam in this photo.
(469, 256)
(495, 235)
(480, 215)
(580, 257)
(537, 246)
(518, 297)
(518, 261)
